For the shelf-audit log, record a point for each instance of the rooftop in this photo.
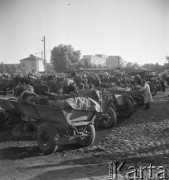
(31, 58)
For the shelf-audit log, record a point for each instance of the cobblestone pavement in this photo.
(138, 141)
(144, 135)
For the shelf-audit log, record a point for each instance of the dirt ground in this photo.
(137, 141)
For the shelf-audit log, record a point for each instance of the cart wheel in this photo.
(2, 118)
(127, 110)
(140, 100)
(47, 138)
(112, 105)
(153, 91)
(89, 139)
(110, 120)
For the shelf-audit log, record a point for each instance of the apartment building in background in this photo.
(94, 60)
(113, 61)
(102, 61)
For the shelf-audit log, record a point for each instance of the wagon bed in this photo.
(53, 122)
(34, 112)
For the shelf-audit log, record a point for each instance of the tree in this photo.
(79, 64)
(158, 67)
(167, 58)
(129, 64)
(86, 63)
(149, 66)
(2, 67)
(121, 63)
(153, 67)
(136, 65)
(63, 57)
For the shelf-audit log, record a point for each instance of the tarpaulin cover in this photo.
(119, 99)
(91, 93)
(80, 103)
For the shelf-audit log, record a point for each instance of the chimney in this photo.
(31, 55)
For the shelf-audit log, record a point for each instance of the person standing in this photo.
(162, 85)
(147, 94)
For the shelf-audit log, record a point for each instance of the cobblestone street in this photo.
(145, 133)
(138, 141)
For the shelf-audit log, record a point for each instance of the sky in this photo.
(136, 30)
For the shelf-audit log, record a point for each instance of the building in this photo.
(94, 61)
(32, 64)
(113, 61)
(101, 56)
(100, 60)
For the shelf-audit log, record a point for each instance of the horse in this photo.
(8, 84)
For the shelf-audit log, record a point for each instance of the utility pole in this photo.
(44, 44)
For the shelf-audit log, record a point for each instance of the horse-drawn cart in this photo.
(75, 121)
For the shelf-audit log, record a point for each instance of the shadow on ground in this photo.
(17, 153)
(94, 166)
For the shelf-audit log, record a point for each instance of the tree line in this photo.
(8, 68)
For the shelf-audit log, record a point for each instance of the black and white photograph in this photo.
(84, 89)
